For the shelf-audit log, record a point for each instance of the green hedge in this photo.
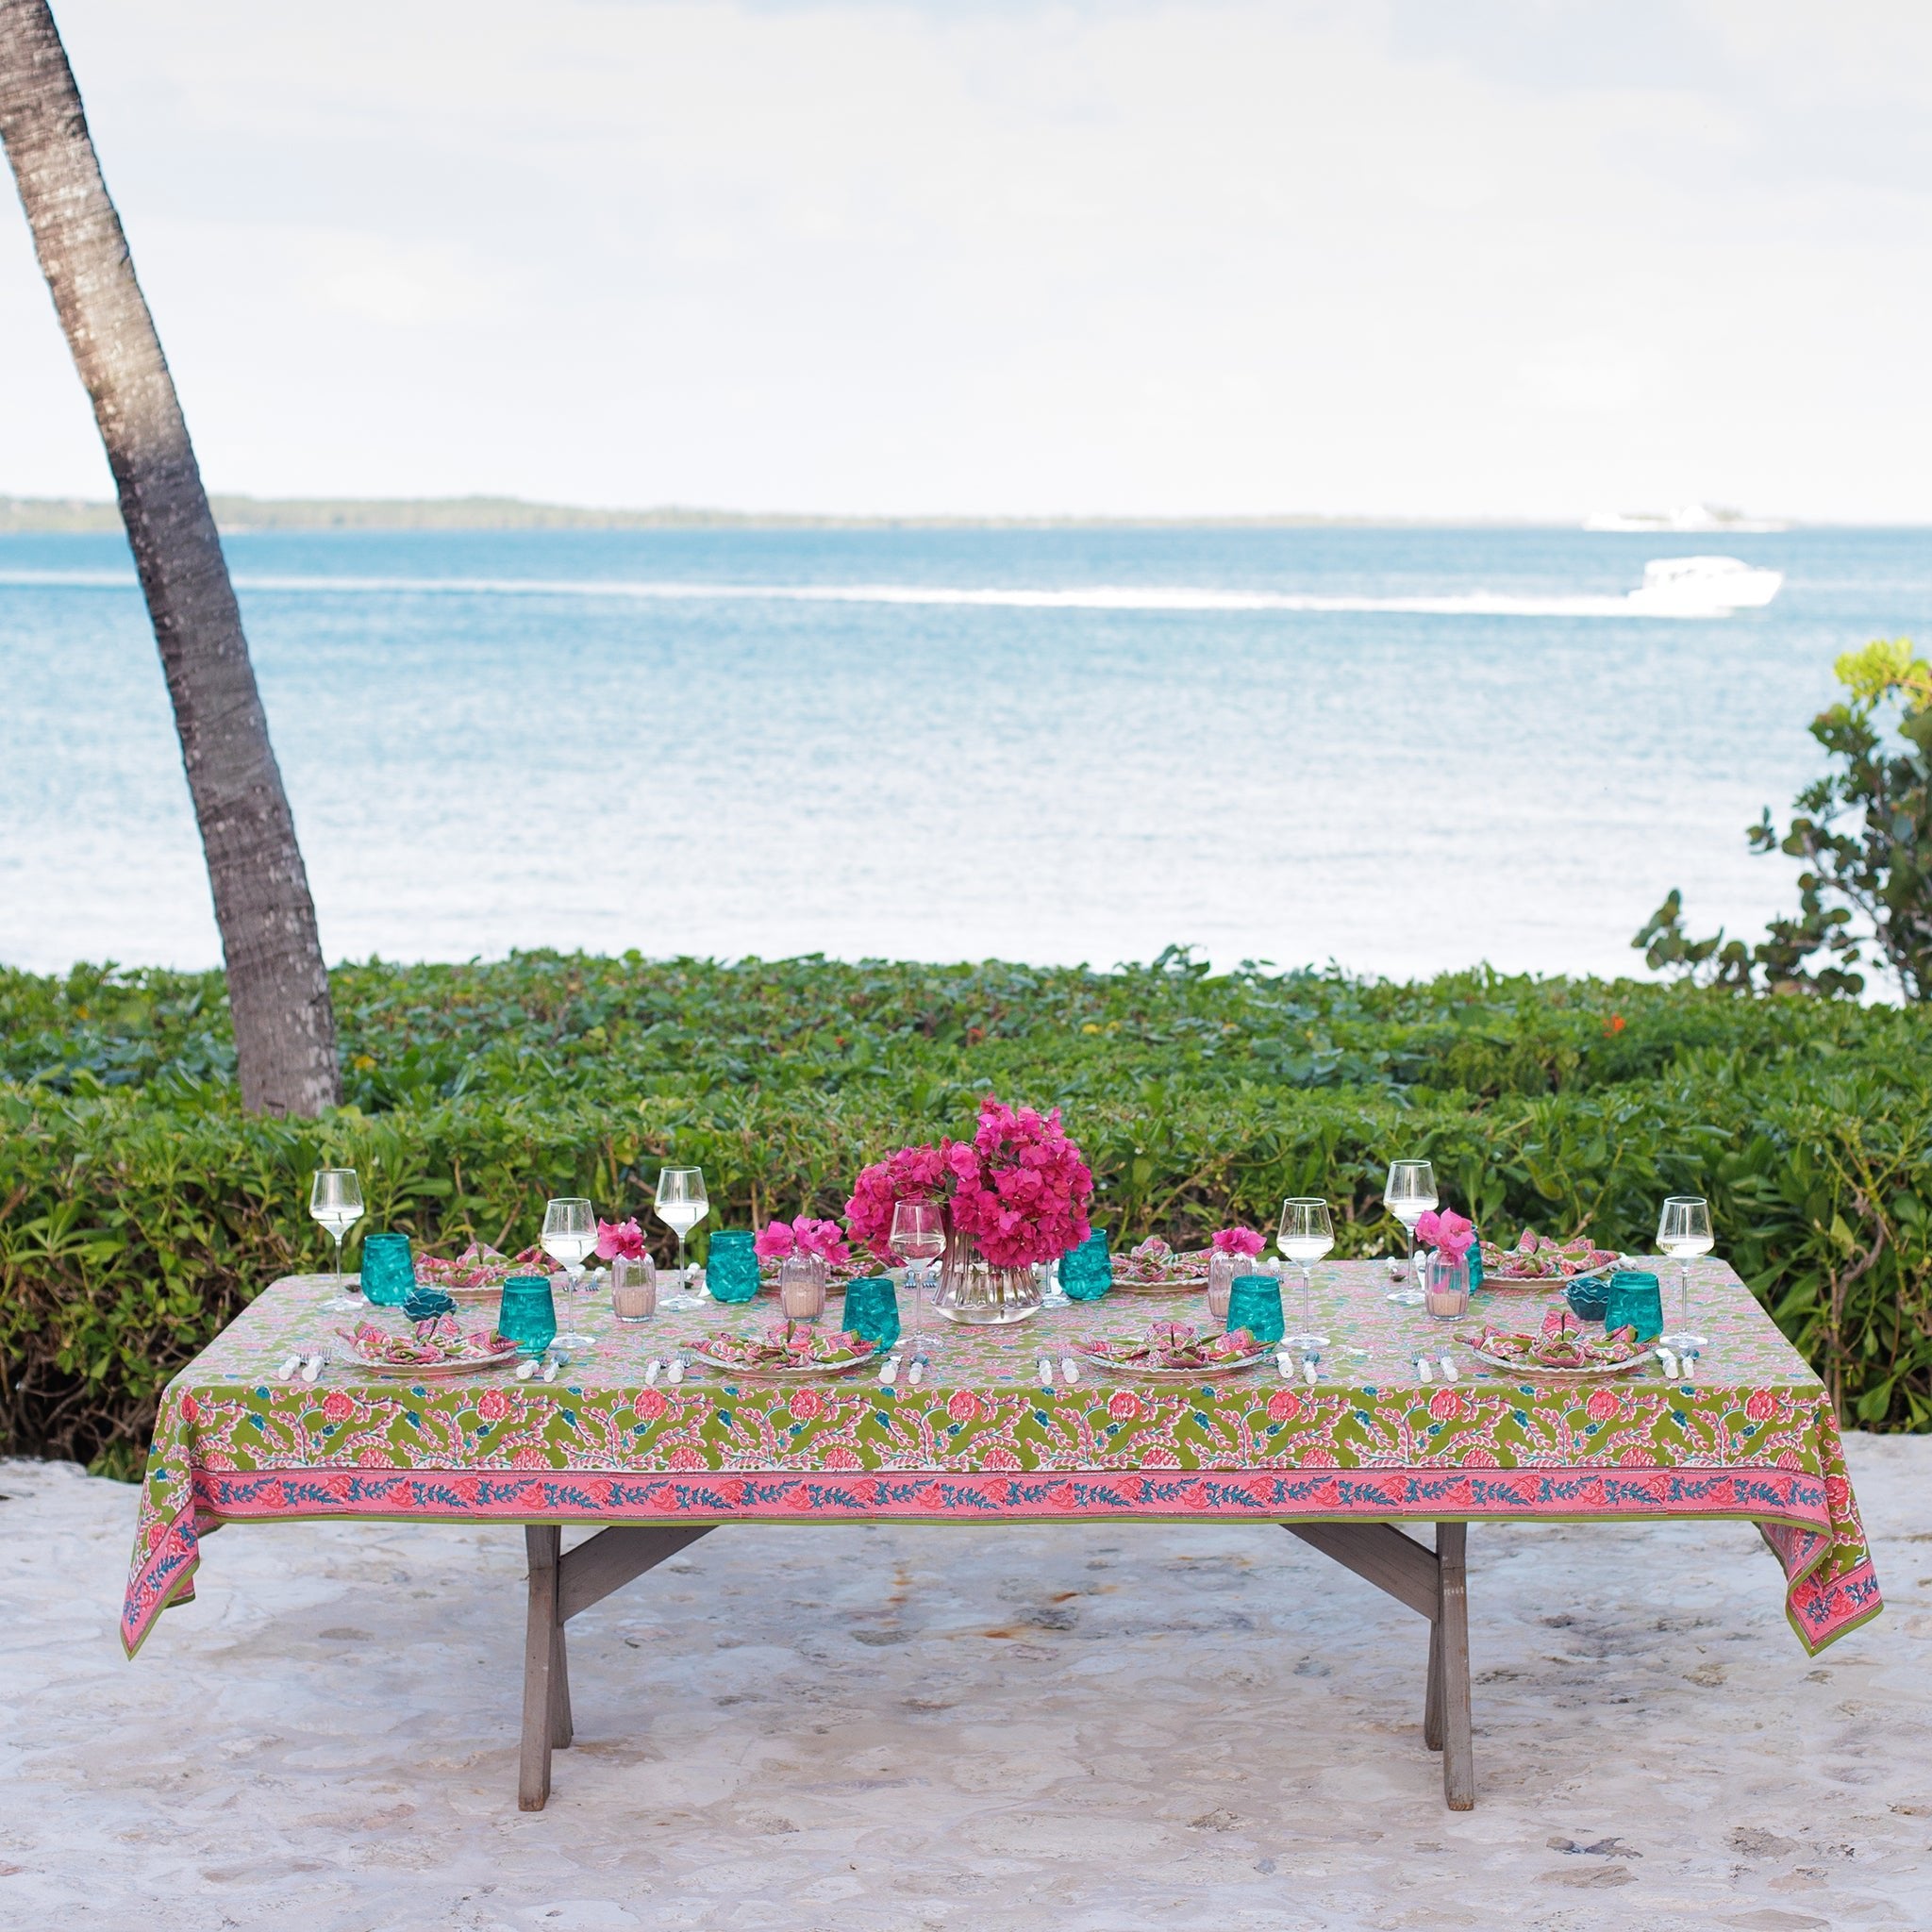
(139, 1208)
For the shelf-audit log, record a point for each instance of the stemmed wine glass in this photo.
(681, 1204)
(335, 1200)
(570, 1234)
(1683, 1231)
(1307, 1233)
(918, 1238)
(1409, 1193)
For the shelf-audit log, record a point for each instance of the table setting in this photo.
(811, 1374)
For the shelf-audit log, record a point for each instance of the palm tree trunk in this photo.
(277, 985)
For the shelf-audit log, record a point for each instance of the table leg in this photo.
(1452, 1678)
(561, 1728)
(1432, 1699)
(542, 1664)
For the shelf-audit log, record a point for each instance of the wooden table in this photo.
(1340, 1463)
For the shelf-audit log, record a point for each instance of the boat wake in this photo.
(1678, 592)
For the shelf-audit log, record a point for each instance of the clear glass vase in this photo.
(972, 1291)
(1444, 1284)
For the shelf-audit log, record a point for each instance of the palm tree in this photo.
(285, 1036)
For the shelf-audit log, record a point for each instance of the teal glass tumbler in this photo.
(1254, 1303)
(388, 1270)
(872, 1311)
(528, 1315)
(1475, 1258)
(1087, 1272)
(732, 1265)
(1635, 1302)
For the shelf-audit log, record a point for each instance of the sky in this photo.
(1387, 257)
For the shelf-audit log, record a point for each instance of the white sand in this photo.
(1085, 1730)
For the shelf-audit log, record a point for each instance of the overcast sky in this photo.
(1440, 258)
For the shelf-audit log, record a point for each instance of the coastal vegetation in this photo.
(140, 1205)
(1864, 833)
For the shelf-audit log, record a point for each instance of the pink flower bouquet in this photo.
(1448, 1233)
(620, 1240)
(1239, 1240)
(778, 1240)
(1020, 1188)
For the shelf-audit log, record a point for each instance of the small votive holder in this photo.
(1221, 1270)
(1254, 1303)
(1087, 1272)
(872, 1309)
(732, 1265)
(388, 1270)
(633, 1289)
(801, 1289)
(527, 1315)
(1445, 1284)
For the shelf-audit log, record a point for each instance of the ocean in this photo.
(1399, 750)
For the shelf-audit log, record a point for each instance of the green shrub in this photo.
(140, 1208)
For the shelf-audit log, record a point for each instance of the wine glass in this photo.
(918, 1238)
(1409, 1193)
(335, 1200)
(681, 1204)
(1307, 1233)
(570, 1235)
(1683, 1231)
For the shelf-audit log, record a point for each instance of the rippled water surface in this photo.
(1404, 750)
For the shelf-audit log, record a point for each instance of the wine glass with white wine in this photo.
(570, 1235)
(917, 1240)
(1307, 1233)
(1409, 1193)
(681, 1204)
(335, 1200)
(1683, 1232)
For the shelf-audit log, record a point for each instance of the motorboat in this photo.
(1704, 586)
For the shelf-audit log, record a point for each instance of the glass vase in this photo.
(973, 1291)
(1221, 1270)
(1444, 1283)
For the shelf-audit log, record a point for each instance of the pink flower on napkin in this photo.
(1239, 1241)
(1448, 1233)
(620, 1240)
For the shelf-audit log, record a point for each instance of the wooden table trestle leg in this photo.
(561, 1584)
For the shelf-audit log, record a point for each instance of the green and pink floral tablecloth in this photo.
(981, 1441)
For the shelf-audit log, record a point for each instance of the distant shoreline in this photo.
(56, 515)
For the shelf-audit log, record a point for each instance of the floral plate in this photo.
(1160, 1373)
(1518, 1366)
(425, 1372)
(783, 1371)
(1521, 1284)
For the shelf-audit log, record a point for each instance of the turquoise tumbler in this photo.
(872, 1311)
(1634, 1301)
(528, 1315)
(1254, 1303)
(388, 1270)
(1087, 1272)
(732, 1265)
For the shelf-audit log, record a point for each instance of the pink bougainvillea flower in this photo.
(1446, 1232)
(776, 1241)
(620, 1237)
(1239, 1241)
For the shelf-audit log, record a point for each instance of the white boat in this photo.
(1704, 586)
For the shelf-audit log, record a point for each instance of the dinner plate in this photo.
(1523, 1284)
(1184, 1284)
(422, 1372)
(774, 1372)
(1540, 1369)
(1155, 1372)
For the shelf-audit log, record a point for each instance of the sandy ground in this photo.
(866, 1729)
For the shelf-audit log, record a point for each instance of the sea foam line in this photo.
(1088, 597)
